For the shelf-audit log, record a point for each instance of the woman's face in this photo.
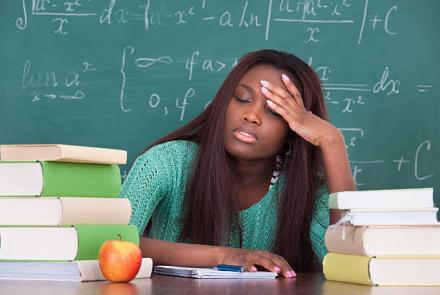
(252, 131)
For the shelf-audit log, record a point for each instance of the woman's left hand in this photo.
(289, 105)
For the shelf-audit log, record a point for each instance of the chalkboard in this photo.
(124, 73)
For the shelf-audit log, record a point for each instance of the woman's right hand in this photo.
(250, 259)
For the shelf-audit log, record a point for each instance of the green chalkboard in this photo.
(121, 74)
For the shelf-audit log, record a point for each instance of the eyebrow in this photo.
(247, 87)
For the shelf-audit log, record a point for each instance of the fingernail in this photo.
(264, 82)
(284, 77)
(264, 90)
(276, 269)
(292, 273)
(253, 268)
(270, 103)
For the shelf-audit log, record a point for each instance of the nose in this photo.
(252, 116)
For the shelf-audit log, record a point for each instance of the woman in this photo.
(247, 181)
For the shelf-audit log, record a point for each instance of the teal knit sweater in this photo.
(156, 188)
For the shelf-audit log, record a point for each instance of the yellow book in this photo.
(346, 268)
(383, 271)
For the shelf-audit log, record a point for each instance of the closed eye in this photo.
(241, 100)
(273, 112)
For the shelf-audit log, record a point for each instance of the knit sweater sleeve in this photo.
(149, 181)
(320, 223)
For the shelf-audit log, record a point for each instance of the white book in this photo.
(415, 216)
(49, 179)
(61, 153)
(210, 273)
(384, 240)
(21, 179)
(376, 199)
(64, 243)
(84, 270)
(55, 211)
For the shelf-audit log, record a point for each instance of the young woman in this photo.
(247, 181)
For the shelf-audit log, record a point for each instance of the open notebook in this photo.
(210, 273)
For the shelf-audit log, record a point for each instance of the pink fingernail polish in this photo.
(292, 273)
(253, 268)
(284, 77)
(277, 269)
(264, 82)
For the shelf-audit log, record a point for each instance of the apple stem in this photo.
(120, 237)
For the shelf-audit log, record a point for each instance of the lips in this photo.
(246, 135)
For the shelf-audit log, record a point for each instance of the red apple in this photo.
(119, 261)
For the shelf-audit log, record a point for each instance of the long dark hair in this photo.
(209, 216)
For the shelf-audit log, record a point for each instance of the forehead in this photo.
(263, 72)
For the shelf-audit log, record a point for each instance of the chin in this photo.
(244, 151)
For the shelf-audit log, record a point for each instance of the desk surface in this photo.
(305, 284)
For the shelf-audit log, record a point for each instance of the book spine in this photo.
(92, 155)
(347, 268)
(94, 210)
(91, 237)
(80, 180)
(89, 270)
(345, 239)
(385, 199)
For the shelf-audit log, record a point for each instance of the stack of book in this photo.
(58, 204)
(386, 238)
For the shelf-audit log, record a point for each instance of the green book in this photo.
(59, 179)
(76, 242)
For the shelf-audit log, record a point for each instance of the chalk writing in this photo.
(46, 84)
(185, 101)
(386, 84)
(129, 50)
(206, 64)
(417, 158)
(420, 174)
(153, 14)
(423, 88)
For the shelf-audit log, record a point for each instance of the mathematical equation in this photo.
(401, 163)
(349, 96)
(314, 15)
(353, 136)
(44, 85)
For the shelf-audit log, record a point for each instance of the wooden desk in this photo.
(313, 284)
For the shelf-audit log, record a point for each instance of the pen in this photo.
(227, 267)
